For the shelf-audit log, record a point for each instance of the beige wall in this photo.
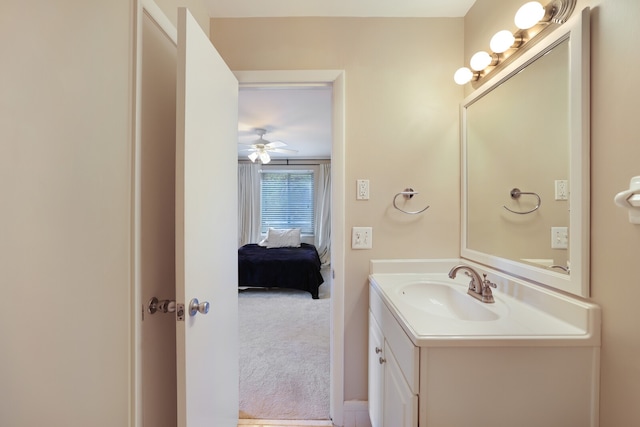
(615, 244)
(401, 130)
(65, 212)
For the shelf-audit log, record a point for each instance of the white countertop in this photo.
(523, 314)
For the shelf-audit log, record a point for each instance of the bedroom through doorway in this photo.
(285, 335)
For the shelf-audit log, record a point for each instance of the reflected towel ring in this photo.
(516, 193)
(408, 193)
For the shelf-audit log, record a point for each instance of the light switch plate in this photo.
(361, 238)
(559, 237)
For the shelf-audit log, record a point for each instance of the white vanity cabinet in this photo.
(376, 372)
(438, 372)
(393, 371)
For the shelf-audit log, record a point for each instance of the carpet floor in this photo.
(284, 354)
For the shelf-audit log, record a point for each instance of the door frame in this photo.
(150, 8)
(336, 78)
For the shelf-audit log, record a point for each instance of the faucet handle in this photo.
(487, 295)
(486, 282)
(472, 283)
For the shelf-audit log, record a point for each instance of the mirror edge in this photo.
(577, 30)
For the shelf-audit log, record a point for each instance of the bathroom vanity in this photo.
(440, 358)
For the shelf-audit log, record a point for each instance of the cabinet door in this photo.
(376, 372)
(400, 405)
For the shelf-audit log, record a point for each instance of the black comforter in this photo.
(294, 268)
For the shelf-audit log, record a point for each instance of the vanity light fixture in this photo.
(503, 44)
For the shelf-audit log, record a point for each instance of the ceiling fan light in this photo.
(264, 157)
(253, 156)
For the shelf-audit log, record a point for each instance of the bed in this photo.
(293, 267)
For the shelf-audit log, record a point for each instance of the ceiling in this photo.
(359, 8)
(301, 116)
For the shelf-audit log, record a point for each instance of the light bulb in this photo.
(480, 61)
(253, 156)
(529, 15)
(502, 41)
(463, 76)
(264, 157)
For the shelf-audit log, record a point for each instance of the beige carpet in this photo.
(284, 354)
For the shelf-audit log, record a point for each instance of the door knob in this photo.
(165, 306)
(196, 307)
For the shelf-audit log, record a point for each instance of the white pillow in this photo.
(281, 238)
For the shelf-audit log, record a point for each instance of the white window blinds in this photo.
(286, 200)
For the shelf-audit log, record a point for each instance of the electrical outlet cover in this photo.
(362, 189)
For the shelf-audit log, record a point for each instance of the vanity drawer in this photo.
(406, 354)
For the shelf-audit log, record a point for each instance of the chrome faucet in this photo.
(479, 288)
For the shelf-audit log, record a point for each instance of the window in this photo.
(286, 200)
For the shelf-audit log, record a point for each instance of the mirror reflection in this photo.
(518, 147)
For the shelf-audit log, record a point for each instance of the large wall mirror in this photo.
(525, 163)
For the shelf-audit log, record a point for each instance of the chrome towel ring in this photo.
(408, 193)
(516, 193)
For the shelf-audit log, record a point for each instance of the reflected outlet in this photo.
(559, 237)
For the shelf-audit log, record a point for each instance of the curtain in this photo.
(322, 239)
(248, 203)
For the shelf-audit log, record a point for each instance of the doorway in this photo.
(142, 389)
(335, 78)
(284, 334)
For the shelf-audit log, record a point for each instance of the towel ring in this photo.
(408, 193)
(515, 194)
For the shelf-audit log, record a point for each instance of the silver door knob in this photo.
(163, 306)
(196, 307)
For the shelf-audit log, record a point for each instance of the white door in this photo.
(206, 231)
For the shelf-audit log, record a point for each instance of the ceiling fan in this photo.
(261, 148)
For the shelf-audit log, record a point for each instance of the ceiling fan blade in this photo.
(283, 150)
(275, 144)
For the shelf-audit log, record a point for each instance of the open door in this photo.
(206, 232)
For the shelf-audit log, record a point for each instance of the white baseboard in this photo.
(356, 413)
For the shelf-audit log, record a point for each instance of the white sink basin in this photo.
(436, 310)
(448, 300)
